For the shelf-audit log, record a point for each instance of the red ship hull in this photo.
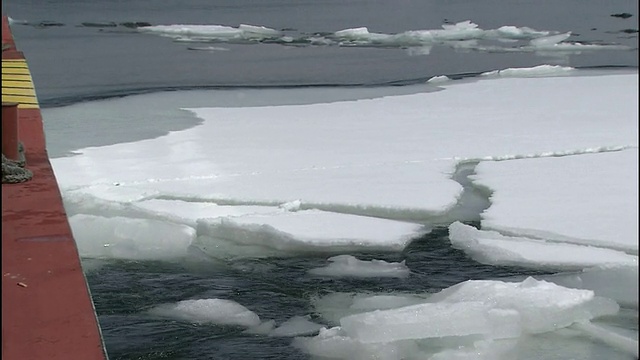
(47, 310)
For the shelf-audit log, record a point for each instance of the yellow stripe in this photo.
(23, 101)
(18, 91)
(14, 63)
(19, 98)
(17, 84)
(6, 65)
(16, 77)
(17, 71)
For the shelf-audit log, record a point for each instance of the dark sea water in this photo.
(72, 62)
(124, 291)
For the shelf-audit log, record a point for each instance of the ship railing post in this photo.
(10, 134)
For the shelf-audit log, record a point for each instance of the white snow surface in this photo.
(587, 199)
(307, 230)
(339, 174)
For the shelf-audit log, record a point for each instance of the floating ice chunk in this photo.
(188, 212)
(502, 349)
(490, 247)
(291, 205)
(212, 32)
(608, 337)
(431, 320)
(215, 311)
(439, 79)
(335, 344)
(209, 31)
(543, 306)
(332, 307)
(127, 238)
(618, 282)
(548, 41)
(308, 230)
(460, 26)
(513, 32)
(464, 30)
(208, 48)
(540, 70)
(492, 309)
(117, 193)
(347, 265)
(354, 33)
(258, 31)
(577, 48)
(362, 36)
(296, 326)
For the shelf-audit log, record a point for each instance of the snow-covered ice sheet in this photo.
(588, 199)
(385, 158)
(301, 231)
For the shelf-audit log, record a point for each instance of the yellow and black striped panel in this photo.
(17, 85)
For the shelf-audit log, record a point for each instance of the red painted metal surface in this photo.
(47, 311)
(10, 131)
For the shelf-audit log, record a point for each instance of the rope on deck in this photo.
(14, 172)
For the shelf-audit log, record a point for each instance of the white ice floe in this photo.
(465, 33)
(491, 247)
(189, 212)
(540, 70)
(438, 79)
(296, 326)
(617, 281)
(217, 32)
(307, 230)
(334, 306)
(382, 158)
(589, 199)
(475, 317)
(228, 312)
(130, 238)
(350, 266)
(551, 40)
(213, 311)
